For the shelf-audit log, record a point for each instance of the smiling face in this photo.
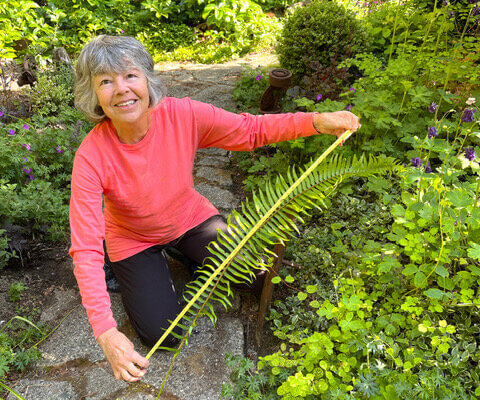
(123, 97)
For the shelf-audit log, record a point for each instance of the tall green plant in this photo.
(268, 219)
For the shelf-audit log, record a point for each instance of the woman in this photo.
(139, 158)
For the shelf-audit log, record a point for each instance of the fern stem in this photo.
(247, 237)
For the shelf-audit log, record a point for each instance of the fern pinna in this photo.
(268, 219)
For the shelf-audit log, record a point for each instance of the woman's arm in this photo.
(219, 128)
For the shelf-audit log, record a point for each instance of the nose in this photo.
(121, 86)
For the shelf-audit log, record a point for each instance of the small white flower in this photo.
(470, 101)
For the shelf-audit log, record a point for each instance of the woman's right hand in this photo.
(126, 363)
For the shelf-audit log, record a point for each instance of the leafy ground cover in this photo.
(382, 299)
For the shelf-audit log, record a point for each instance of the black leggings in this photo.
(148, 293)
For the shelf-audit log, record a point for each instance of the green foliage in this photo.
(268, 219)
(20, 24)
(166, 37)
(53, 91)
(249, 89)
(318, 32)
(15, 290)
(36, 160)
(247, 383)
(5, 252)
(18, 338)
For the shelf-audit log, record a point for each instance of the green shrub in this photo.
(165, 37)
(318, 32)
(36, 159)
(5, 252)
(53, 91)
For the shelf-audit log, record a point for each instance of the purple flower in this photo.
(25, 126)
(467, 115)
(475, 11)
(59, 150)
(432, 108)
(451, 14)
(352, 89)
(319, 97)
(470, 154)
(11, 132)
(432, 132)
(1, 114)
(416, 162)
(445, 3)
(27, 146)
(349, 107)
(25, 159)
(428, 169)
(122, 31)
(26, 170)
(31, 177)
(258, 77)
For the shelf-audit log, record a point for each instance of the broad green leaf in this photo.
(434, 293)
(474, 251)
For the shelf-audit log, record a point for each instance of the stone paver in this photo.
(43, 390)
(199, 371)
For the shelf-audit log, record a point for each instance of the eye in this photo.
(131, 75)
(104, 82)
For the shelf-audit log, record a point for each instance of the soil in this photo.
(42, 269)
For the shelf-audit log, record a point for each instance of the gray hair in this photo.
(106, 54)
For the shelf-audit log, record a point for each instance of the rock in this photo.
(43, 390)
(220, 198)
(102, 384)
(74, 338)
(200, 370)
(215, 175)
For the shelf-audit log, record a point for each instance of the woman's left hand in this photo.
(335, 123)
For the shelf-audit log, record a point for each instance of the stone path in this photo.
(73, 365)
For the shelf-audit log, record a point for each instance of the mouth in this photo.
(126, 103)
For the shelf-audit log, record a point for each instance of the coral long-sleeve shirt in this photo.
(147, 187)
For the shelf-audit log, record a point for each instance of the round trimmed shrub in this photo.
(317, 33)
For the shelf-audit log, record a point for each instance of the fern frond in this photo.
(267, 219)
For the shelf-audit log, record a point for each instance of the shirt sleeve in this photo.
(87, 226)
(245, 132)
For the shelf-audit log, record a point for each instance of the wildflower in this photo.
(451, 14)
(27, 146)
(470, 154)
(432, 132)
(349, 107)
(11, 132)
(122, 31)
(25, 127)
(1, 114)
(445, 3)
(432, 108)
(31, 177)
(352, 89)
(428, 169)
(25, 159)
(26, 170)
(470, 101)
(475, 11)
(319, 97)
(416, 162)
(258, 77)
(59, 150)
(467, 115)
